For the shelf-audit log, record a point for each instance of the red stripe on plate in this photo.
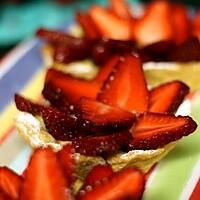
(196, 192)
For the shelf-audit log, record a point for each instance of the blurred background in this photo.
(19, 19)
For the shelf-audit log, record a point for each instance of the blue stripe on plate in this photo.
(16, 78)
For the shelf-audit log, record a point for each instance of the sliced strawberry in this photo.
(57, 98)
(106, 69)
(44, 178)
(102, 144)
(187, 51)
(126, 87)
(98, 174)
(196, 25)
(4, 196)
(180, 23)
(10, 183)
(121, 8)
(87, 25)
(127, 184)
(99, 117)
(59, 125)
(72, 88)
(167, 97)
(55, 37)
(110, 25)
(155, 25)
(157, 51)
(154, 130)
(66, 158)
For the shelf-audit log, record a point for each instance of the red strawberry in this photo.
(66, 159)
(102, 144)
(98, 174)
(187, 51)
(155, 25)
(127, 184)
(10, 183)
(167, 97)
(126, 87)
(59, 125)
(196, 25)
(106, 69)
(180, 23)
(121, 8)
(57, 98)
(110, 25)
(88, 26)
(44, 178)
(72, 88)
(99, 117)
(55, 37)
(154, 130)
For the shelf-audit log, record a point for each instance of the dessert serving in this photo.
(96, 132)
(113, 119)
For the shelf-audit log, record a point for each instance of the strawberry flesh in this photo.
(127, 184)
(167, 97)
(121, 8)
(154, 130)
(126, 86)
(44, 178)
(98, 174)
(187, 51)
(99, 117)
(66, 159)
(10, 183)
(57, 98)
(180, 23)
(109, 25)
(72, 88)
(90, 31)
(59, 125)
(155, 25)
(106, 69)
(102, 144)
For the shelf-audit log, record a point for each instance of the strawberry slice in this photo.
(126, 87)
(99, 117)
(109, 25)
(59, 125)
(121, 8)
(102, 144)
(55, 37)
(57, 98)
(87, 24)
(180, 23)
(72, 88)
(167, 97)
(196, 25)
(97, 175)
(44, 178)
(127, 184)
(10, 183)
(154, 130)
(4, 196)
(157, 51)
(187, 51)
(155, 25)
(66, 159)
(106, 69)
